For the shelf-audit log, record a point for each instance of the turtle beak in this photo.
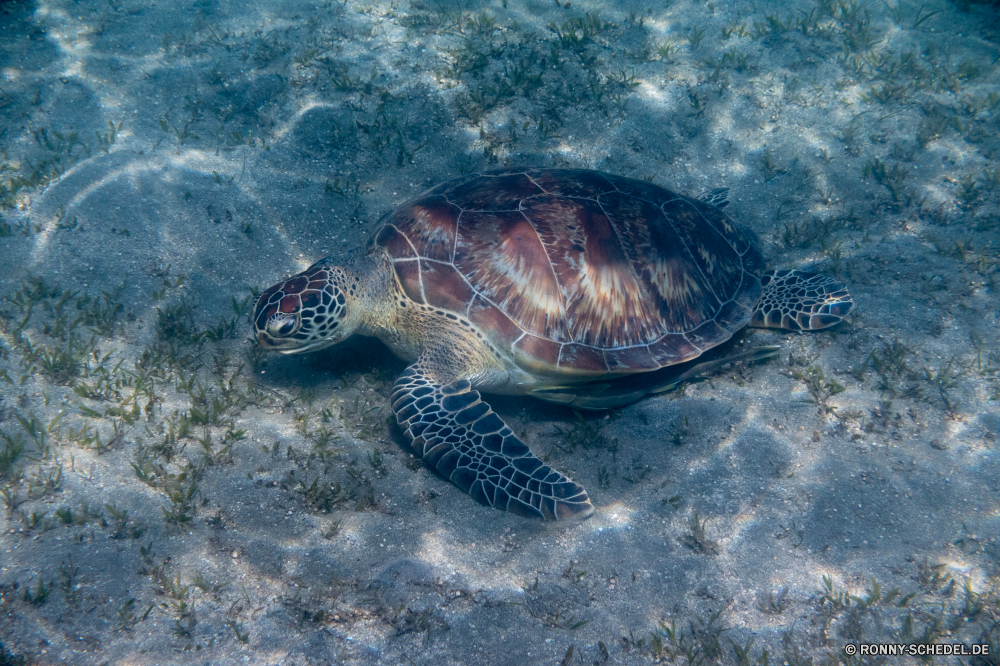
(315, 346)
(267, 342)
(282, 346)
(290, 346)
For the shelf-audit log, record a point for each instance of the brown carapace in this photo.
(564, 284)
(577, 271)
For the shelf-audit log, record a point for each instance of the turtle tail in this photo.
(799, 301)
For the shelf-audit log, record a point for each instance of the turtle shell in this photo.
(571, 271)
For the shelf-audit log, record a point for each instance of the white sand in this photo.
(251, 139)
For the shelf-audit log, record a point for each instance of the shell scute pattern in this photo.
(393, 240)
(584, 357)
(675, 346)
(408, 272)
(572, 182)
(577, 271)
(638, 189)
(538, 354)
(596, 281)
(488, 317)
(706, 335)
(629, 359)
(502, 257)
(502, 190)
(430, 226)
(444, 286)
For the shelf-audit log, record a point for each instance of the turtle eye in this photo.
(281, 326)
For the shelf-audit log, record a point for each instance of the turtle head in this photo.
(308, 311)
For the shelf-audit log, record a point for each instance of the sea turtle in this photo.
(563, 284)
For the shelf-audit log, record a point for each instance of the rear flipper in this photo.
(467, 443)
(800, 301)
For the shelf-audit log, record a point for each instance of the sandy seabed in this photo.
(173, 495)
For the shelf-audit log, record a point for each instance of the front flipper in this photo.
(467, 443)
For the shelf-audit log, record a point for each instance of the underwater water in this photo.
(172, 494)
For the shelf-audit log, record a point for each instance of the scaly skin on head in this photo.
(321, 306)
(327, 303)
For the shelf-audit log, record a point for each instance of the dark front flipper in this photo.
(463, 439)
(800, 301)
